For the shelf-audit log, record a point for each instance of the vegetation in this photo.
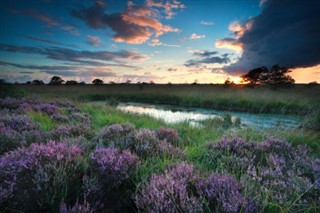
(276, 76)
(57, 156)
(299, 100)
(97, 81)
(56, 80)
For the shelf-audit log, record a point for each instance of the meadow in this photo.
(60, 153)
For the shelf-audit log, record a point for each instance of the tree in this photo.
(72, 82)
(277, 76)
(128, 81)
(56, 80)
(254, 76)
(37, 82)
(228, 82)
(97, 81)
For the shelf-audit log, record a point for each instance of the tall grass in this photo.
(297, 100)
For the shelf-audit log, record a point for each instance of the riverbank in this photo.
(298, 100)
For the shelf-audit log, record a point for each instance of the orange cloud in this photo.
(229, 43)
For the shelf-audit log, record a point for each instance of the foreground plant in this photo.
(281, 176)
(182, 189)
(40, 176)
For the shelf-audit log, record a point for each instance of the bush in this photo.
(182, 189)
(113, 166)
(37, 178)
(168, 134)
(116, 135)
(274, 165)
(172, 191)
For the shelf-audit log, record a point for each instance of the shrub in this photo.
(168, 134)
(222, 194)
(65, 131)
(109, 185)
(40, 176)
(274, 165)
(116, 135)
(172, 191)
(113, 165)
(145, 142)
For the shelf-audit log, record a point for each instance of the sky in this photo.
(204, 41)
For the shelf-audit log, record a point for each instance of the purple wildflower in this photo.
(114, 165)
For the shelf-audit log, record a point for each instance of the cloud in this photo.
(45, 40)
(206, 57)
(229, 43)
(195, 36)
(135, 25)
(172, 69)
(157, 42)
(83, 74)
(209, 23)
(204, 53)
(286, 32)
(93, 40)
(65, 54)
(50, 21)
(168, 7)
(25, 72)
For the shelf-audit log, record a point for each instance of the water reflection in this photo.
(172, 114)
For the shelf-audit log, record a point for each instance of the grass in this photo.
(194, 138)
(44, 120)
(299, 100)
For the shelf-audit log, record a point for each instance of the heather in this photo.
(61, 156)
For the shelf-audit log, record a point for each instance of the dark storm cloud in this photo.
(207, 57)
(135, 25)
(65, 54)
(287, 32)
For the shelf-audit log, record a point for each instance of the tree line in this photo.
(275, 76)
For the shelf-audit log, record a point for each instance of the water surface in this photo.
(176, 114)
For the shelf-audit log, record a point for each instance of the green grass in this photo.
(44, 120)
(299, 100)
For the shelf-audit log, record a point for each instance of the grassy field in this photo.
(232, 156)
(300, 99)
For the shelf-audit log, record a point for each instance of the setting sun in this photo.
(237, 80)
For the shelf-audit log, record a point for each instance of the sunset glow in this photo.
(144, 40)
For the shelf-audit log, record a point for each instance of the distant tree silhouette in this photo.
(152, 82)
(72, 82)
(228, 82)
(28, 82)
(97, 81)
(82, 83)
(56, 80)
(2, 81)
(254, 76)
(37, 82)
(128, 81)
(276, 76)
